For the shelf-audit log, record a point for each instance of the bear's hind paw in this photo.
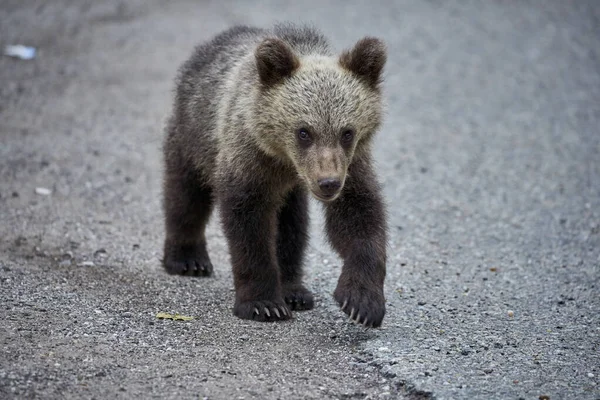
(188, 261)
(298, 297)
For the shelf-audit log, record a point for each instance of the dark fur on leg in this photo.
(188, 205)
(356, 226)
(249, 221)
(292, 238)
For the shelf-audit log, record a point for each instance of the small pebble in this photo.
(86, 264)
(43, 191)
(511, 313)
(100, 253)
(590, 375)
(488, 370)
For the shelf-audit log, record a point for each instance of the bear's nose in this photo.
(329, 186)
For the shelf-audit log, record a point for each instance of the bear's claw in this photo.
(298, 298)
(188, 261)
(363, 306)
(266, 311)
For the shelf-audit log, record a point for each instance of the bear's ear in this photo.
(366, 60)
(275, 61)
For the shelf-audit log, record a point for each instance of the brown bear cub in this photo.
(261, 119)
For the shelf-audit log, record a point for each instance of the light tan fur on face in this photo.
(327, 99)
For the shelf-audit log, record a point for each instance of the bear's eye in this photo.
(347, 136)
(303, 135)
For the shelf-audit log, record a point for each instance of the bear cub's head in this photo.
(318, 112)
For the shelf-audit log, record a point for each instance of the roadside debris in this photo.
(20, 51)
(100, 253)
(174, 317)
(43, 191)
(86, 264)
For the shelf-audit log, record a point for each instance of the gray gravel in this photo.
(490, 160)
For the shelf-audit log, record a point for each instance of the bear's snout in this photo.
(329, 187)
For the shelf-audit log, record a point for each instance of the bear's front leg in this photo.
(357, 229)
(249, 218)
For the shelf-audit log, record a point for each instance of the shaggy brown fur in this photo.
(261, 119)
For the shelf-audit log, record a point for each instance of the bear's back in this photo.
(202, 75)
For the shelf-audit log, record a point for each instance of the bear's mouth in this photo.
(326, 198)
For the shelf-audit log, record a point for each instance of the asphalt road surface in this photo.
(490, 157)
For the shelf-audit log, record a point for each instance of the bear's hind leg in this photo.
(188, 203)
(292, 238)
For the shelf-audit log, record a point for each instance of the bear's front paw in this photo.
(189, 260)
(365, 305)
(262, 310)
(297, 297)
